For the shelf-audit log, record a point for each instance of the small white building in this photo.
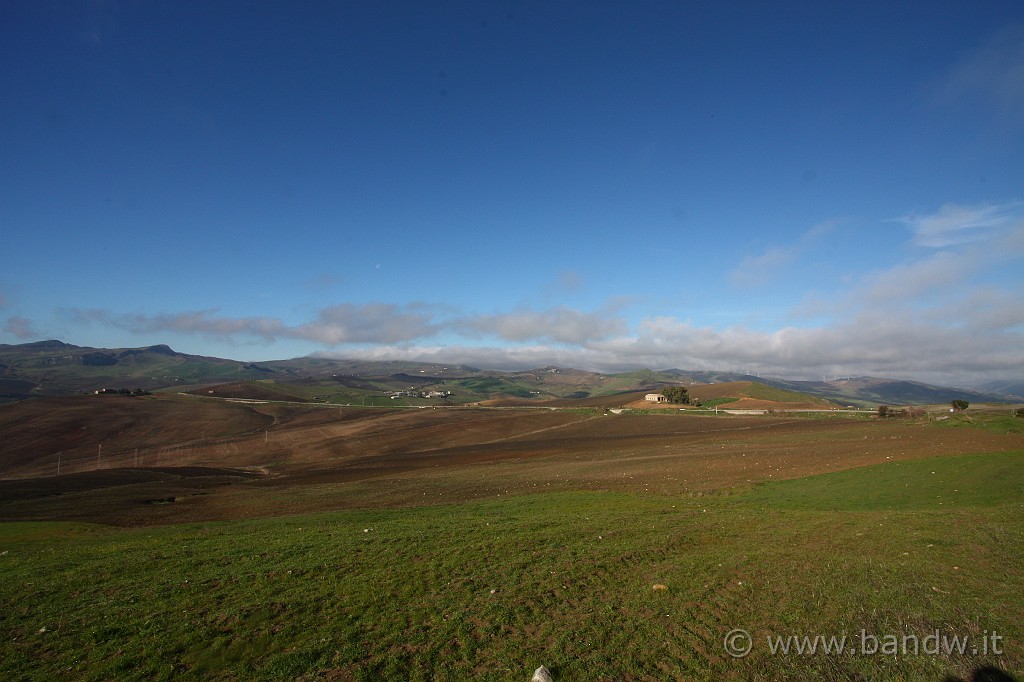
(436, 394)
(655, 398)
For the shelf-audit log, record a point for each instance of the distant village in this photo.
(415, 393)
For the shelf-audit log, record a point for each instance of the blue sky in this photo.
(800, 188)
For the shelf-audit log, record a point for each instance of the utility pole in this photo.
(58, 464)
(99, 452)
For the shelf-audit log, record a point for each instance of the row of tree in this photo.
(122, 391)
(886, 411)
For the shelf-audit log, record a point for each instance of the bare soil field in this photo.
(601, 401)
(172, 458)
(758, 404)
(725, 389)
(33, 432)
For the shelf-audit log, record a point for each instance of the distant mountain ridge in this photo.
(57, 368)
(1012, 389)
(54, 367)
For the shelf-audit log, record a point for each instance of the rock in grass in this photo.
(659, 586)
(542, 674)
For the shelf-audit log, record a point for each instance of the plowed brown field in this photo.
(167, 459)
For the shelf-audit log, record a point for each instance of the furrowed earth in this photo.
(195, 537)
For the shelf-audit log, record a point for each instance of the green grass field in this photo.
(490, 590)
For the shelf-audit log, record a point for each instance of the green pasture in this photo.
(490, 590)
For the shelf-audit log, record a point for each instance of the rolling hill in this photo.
(58, 368)
(753, 395)
(859, 391)
(54, 368)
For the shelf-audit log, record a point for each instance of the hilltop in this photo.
(753, 395)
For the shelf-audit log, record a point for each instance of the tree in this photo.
(676, 394)
(959, 405)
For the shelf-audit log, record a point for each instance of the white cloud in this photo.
(204, 322)
(988, 242)
(375, 323)
(977, 246)
(559, 325)
(985, 310)
(955, 224)
(822, 229)
(339, 324)
(906, 282)
(371, 323)
(486, 357)
(756, 271)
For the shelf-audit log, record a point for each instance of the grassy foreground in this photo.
(490, 590)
